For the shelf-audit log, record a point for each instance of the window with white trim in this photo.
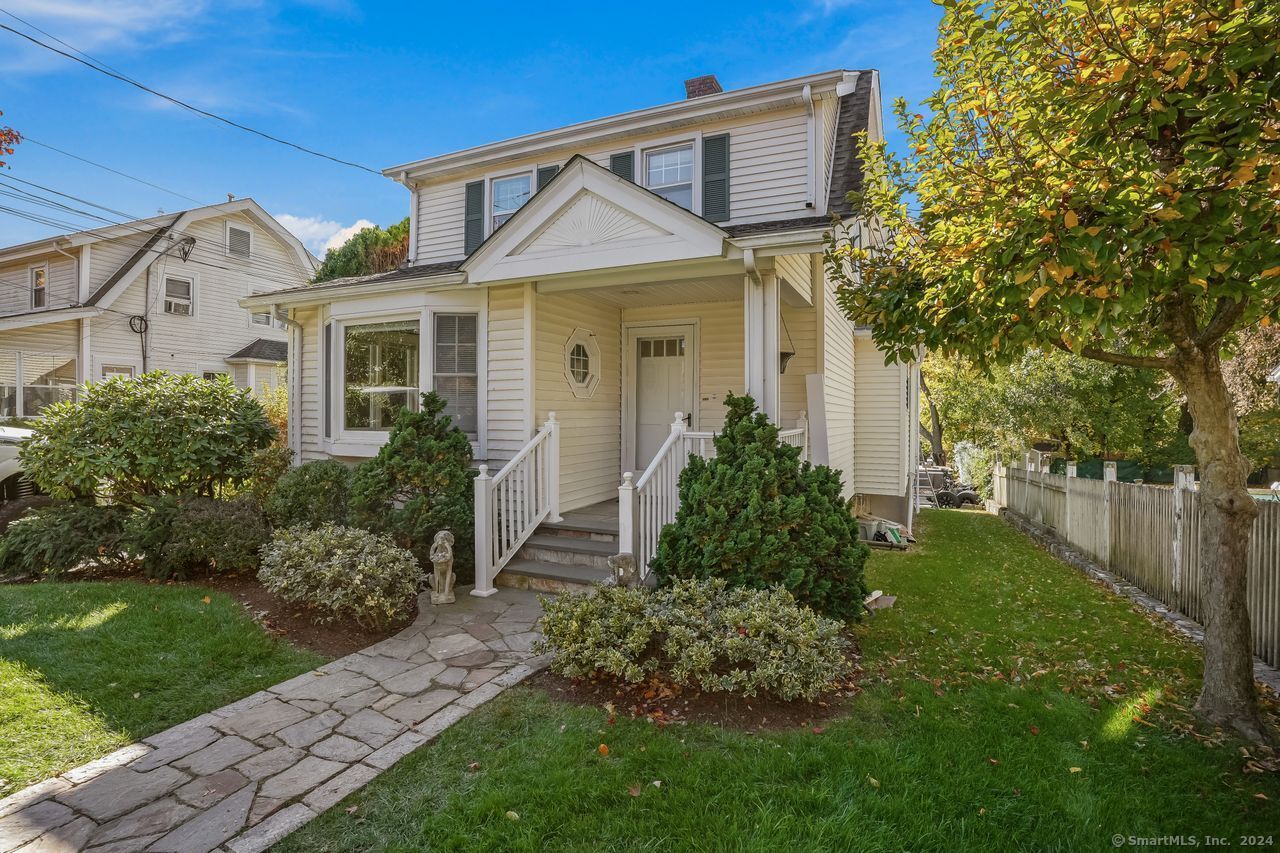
(507, 195)
(454, 373)
(582, 363)
(264, 318)
(669, 173)
(239, 241)
(111, 371)
(380, 373)
(31, 381)
(179, 296)
(214, 375)
(39, 286)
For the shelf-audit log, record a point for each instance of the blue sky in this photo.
(379, 84)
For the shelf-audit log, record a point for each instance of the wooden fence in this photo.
(1149, 535)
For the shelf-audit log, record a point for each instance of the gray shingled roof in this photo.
(846, 168)
(262, 350)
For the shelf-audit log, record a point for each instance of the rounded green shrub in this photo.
(158, 434)
(701, 634)
(312, 494)
(180, 536)
(758, 517)
(341, 573)
(419, 484)
(58, 538)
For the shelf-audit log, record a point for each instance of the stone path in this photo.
(242, 777)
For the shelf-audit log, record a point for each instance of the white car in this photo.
(12, 483)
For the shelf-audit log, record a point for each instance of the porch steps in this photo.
(568, 555)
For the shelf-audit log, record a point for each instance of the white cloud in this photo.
(98, 25)
(321, 235)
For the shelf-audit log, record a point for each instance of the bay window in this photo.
(455, 376)
(380, 373)
(31, 381)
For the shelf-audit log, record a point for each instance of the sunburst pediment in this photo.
(589, 220)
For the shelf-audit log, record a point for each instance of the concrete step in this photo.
(568, 550)
(583, 524)
(522, 573)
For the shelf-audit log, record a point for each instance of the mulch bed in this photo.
(667, 704)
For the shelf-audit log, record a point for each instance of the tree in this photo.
(1101, 178)
(8, 138)
(368, 251)
(1255, 355)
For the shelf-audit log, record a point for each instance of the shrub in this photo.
(266, 468)
(702, 634)
(341, 573)
(179, 536)
(275, 404)
(757, 517)
(61, 537)
(419, 484)
(158, 434)
(312, 494)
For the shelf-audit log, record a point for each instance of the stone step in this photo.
(568, 550)
(523, 573)
(582, 525)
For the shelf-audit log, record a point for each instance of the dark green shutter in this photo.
(474, 217)
(715, 178)
(545, 174)
(623, 164)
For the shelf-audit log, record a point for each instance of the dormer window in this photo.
(669, 173)
(239, 241)
(39, 282)
(509, 195)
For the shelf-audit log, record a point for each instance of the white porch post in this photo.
(803, 423)
(484, 545)
(553, 473)
(627, 515)
(760, 318)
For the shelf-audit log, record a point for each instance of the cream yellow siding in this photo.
(882, 439)
(590, 443)
(509, 423)
(838, 388)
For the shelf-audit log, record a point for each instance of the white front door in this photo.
(663, 369)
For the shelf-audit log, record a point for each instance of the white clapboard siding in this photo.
(60, 286)
(838, 389)
(61, 340)
(720, 356)
(508, 425)
(767, 176)
(590, 447)
(880, 401)
(107, 256)
(312, 389)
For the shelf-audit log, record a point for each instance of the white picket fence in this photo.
(1148, 535)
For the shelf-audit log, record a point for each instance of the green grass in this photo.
(998, 671)
(88, 667)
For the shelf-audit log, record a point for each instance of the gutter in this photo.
(319, 293)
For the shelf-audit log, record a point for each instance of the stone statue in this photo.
(623, 567)
(442, 579)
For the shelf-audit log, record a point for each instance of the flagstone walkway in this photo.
(242, 777)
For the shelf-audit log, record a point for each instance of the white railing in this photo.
(511, 504)
(648, 504)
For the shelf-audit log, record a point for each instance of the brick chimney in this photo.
(696, 87)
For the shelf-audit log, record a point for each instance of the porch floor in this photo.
(597, 518)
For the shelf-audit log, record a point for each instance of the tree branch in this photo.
(1224, 318)
(1151, 362)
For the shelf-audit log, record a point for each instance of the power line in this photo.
(26, 138)
(123, 79)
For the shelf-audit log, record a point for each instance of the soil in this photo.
(668, 704)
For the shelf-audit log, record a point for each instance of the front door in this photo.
(663, 370)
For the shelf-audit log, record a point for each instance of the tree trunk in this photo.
(935, 426)
(1228, 697)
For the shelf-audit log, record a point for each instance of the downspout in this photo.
(811, 136)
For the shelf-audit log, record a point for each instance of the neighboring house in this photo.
(624, 274)
(159, 293)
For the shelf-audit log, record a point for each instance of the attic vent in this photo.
(697, 87)
(239, 241)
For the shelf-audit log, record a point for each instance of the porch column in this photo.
(760, 315)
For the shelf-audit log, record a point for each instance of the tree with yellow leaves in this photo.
(1101, 177)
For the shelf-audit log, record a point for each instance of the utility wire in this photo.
(123, 79)
(26, 138)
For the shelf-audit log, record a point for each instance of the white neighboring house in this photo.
(160, 293)
(585, 298)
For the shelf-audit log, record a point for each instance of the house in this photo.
(159, 293)
(585, 297)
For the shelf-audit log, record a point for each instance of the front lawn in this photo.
(89, 667)
(1009, 704)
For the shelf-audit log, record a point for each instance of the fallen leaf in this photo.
(206, 600)
(136, 695)
(1074, 769)
(473, 766)
(513, 815)
(603, 749)
(634, 790)
(1035, 730)
(875, 783)
(1261, 796)
(817, 730)
(351, 809)
(657, 783)
(993, 761)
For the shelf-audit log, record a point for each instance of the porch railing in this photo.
(511, 504)
(648, 504)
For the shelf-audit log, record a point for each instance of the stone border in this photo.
(240, 778)
(1263, 672)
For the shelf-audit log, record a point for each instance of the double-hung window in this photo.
(179, 296)
(39, 282)
(455, 376)
(669, 173)
(508, 196)
(380, 373)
